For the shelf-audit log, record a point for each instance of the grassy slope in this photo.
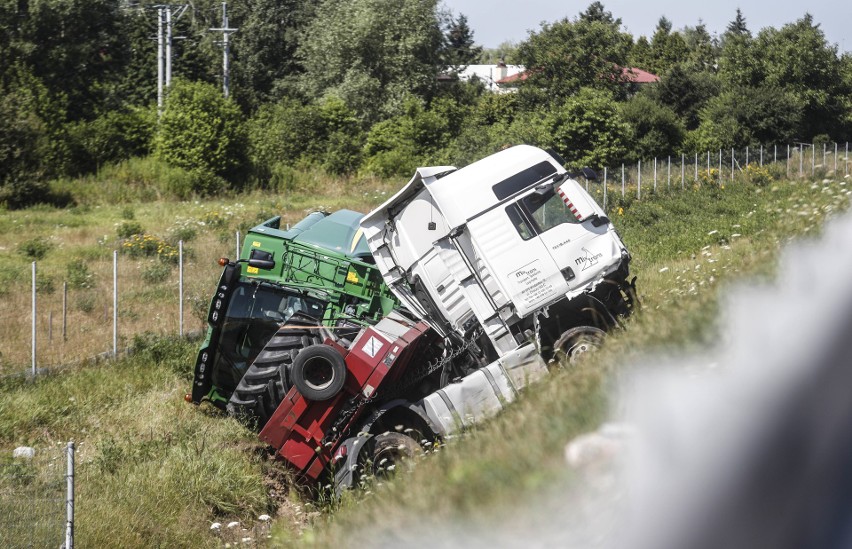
(155, 472)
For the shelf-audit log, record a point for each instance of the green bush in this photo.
(146, 245)
(186, 185)
(35, 248)
(128, 229)
(25, 191)
(156, 273)
(44, 283)
(588, 130)
(184, 230)
(325, 134)
(85, 302)
(78, 274)
(398, 145)
(202, 132)
(655, 129)
(116, 135)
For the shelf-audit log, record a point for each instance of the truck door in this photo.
(518, 258)
(572, 244)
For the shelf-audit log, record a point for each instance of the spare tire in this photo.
(318, 372)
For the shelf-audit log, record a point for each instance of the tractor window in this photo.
(546, 209)
(254, 314)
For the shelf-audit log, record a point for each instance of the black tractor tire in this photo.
(318, 372)
(266, 380)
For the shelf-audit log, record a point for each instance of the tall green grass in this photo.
(152, 470)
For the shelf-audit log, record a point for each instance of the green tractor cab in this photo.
(287, 290)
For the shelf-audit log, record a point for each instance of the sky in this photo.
(496, 21)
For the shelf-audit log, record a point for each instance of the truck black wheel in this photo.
(578, 341)
(266, 380)
(318, 372)
(389, 451)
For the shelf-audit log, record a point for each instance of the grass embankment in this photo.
(687, 247)
(154, 471)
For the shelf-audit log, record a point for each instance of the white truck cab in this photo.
(502, 244)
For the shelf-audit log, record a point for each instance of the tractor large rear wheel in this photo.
(267, 380)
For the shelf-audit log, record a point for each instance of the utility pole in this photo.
(168, 46)
(226, 32)
(164, 48)
(159, 61)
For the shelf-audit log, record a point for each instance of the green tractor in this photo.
(288, 290)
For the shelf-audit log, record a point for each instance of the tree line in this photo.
(353, 87)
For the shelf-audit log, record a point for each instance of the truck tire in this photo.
(318, 372)
(578, 341)
(266, 380)
(386, 453)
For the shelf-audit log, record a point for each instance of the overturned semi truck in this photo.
(499, 267)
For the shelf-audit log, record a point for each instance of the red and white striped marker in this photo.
(569, 204)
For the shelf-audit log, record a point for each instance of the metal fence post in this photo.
(696, 167)
(746, 157)
(34, 321)
(622, 180)
(813, 159)
(238, 244)
(720, 166)
(733, 160)
(682, 169)
(180, 288)
(64, 311)
(788, 161)
(801, 161)
(115, 303)
(639, 181)
(775, 153)
(761, 156)
(69, 497)
(655, 174)
(823, 154)
(669, 173)
(835, 158)
(604, 188)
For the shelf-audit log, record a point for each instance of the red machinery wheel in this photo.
(318, 372)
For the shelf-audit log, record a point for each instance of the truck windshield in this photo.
(254, 314)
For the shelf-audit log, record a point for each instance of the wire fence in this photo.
(37, 497)
(789, 161)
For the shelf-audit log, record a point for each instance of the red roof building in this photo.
(632, 75)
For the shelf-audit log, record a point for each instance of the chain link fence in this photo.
(36, 497)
